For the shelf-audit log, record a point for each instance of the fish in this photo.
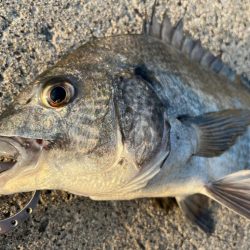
(134, 116)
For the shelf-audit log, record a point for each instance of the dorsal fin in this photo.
(175, 36)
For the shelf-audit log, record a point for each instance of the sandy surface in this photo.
(33, 36)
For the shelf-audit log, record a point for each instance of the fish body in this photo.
(129, 117)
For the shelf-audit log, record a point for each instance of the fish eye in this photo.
(57, 95)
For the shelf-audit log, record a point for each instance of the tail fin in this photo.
(233, 191)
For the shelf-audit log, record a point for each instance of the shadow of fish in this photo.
(125, 117)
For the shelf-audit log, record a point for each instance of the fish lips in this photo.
(19, 153)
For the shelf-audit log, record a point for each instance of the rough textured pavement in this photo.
(33, 36)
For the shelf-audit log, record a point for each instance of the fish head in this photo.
(76, 123)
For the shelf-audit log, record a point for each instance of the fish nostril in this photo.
(28, 101)
(39, 141)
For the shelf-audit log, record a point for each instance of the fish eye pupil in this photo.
(58, 94)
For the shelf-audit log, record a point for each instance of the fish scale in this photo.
(151, 115)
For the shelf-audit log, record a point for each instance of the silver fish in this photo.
(125, 117)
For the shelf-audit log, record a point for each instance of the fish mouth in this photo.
(19, 151)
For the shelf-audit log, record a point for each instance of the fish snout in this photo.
(17, 156)
(31, 122)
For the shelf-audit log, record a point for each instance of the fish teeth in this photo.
(7, 158)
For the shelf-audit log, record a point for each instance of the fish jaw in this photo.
(27, 129)
(24, 154)
(25, 132)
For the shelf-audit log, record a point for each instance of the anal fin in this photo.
(165, 203)
(218, 131)
(196, 209)
(232, 191)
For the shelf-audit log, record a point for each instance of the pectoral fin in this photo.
(195, 209)
(233, 191)
(218, 131)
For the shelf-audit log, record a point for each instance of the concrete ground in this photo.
(33, 36)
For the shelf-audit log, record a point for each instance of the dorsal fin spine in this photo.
(193, 49)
